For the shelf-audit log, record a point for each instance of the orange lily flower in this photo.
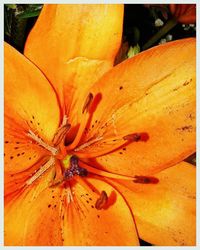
(88, 146)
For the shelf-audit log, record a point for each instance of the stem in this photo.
(166, 28)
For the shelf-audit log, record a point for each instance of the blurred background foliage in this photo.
(18, 21)
(141, 23)
(145, 25)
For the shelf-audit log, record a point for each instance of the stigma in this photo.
(72, 168)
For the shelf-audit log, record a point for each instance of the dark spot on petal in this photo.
(18, 154)
(33, 117)
(6, 142)
(124, 149)
(186, 128)
(11, 157)
(49, 205)
(23, 153)
(187, 82)
(121, 87)
(16, 147)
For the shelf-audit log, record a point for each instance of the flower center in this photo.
(71, 165)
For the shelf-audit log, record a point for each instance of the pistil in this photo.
(72, 168)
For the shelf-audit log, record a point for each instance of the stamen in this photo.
(77, 139)
(101, 201)
(88, 186)
(62, 130)
(132, 137)
(145, 179)
(56, 182)
(104, 173)
(101, 197)
(64, 121)
(137, 178)
(59, 136)
(83, 122)
(43, 169)
(88, 143)
(37, 139)
(113, 143)
(87, 103)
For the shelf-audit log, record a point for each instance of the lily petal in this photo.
(74, 45)
(21, 212)
(114, 225)
(30, 104)
(67, 216)
(153, 96)
(165, 212)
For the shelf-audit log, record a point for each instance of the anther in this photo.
(88, 102)
(132, 137)
(145, 179)
(62, 130)
(101, 201)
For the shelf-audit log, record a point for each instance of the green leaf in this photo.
(28, 11)
(28, 14)
(11, 6)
